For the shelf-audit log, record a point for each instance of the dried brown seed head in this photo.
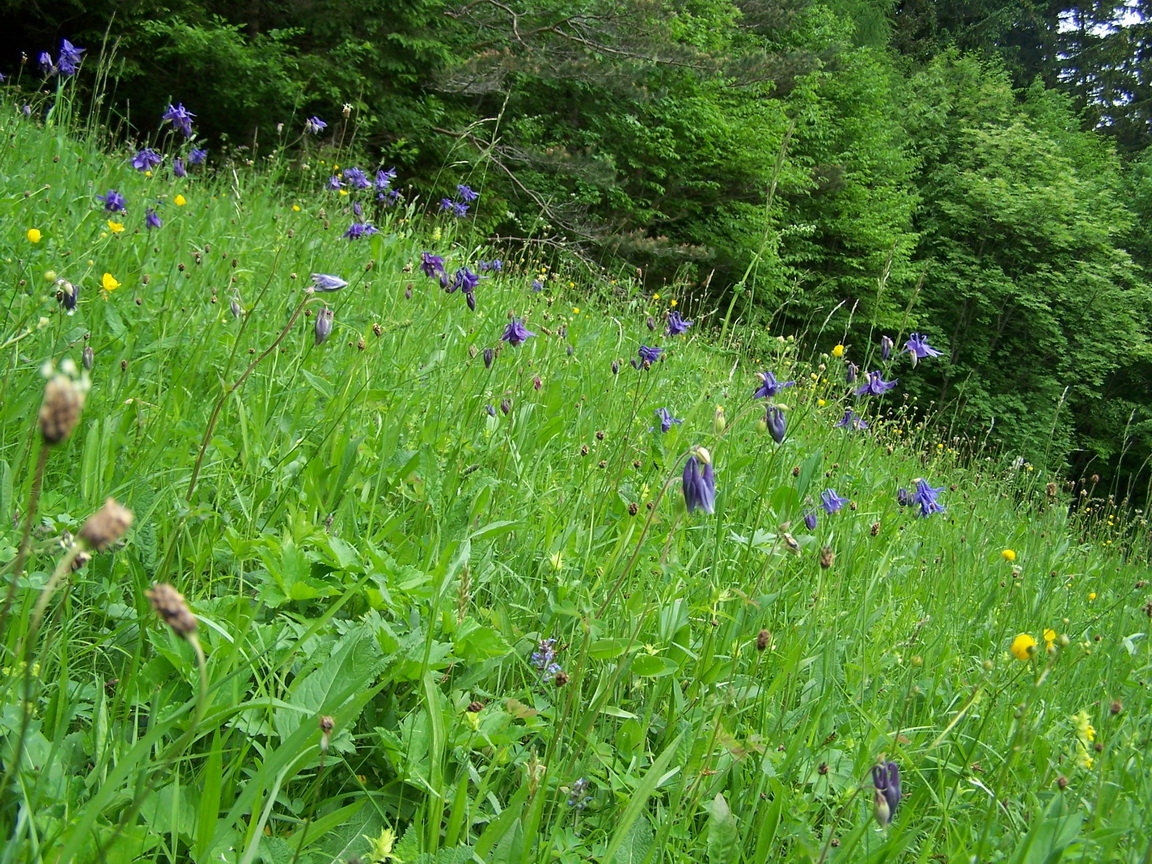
(60, 411)
(106, 526)
(169, 605)
(762, 639)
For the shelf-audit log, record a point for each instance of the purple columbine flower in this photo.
(315, 125)
(917, 345)
(323, 283)
(699, 482)
(113, 202)
(178, 167)
(831, 502)
(389, 198)
(851, 420)
(357, 179)
(45, 61)
(537, 285)
(67, 294)
(69, 57)
(874, 385)
(850, 373)
(516, 333)
(810, 519)
(903, 498)
(431, 265)
(777, 423)
(360, 229)
(357, 209)
(334, 184)
(666, 419)
(466, 194)
(489, 355)
(886, 346)
(445, 203)
(180, 118)
(646, 357)
(384, 179)
(197, 156)
(770, 386)
(459, 210)
(886, 779)
(146, 159)
(925, 498)
(151, 220)
(465, 280)
(491, 409)
(323, 325)
(676, 324)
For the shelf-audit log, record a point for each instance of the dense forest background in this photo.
(976, 171)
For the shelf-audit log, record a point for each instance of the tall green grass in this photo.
(361, 538)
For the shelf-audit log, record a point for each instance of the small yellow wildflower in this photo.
(295, 208)
(1091, 596)
(1085, 731)
(655, 296)
(115, 227)
(838, 351)
(343, 191)
(1023, 646)
(1008, 555)
(821, 402)
(33, 235)
(180, 200)
(109, 282)
(575, 310)
(1049, 636)
(673, 303)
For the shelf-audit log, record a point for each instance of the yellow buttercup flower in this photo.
(109, 282)
(295, 208)
(1008, 555)
(673, 303)
(180, 200)
(1049, 636)
(1091, 596)
(33, 235)
(115, 227)
(1023, 646)
(838, 351)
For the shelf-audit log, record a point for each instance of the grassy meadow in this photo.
(449, 602)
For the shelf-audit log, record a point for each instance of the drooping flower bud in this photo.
(777, 423)
(323, 324)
